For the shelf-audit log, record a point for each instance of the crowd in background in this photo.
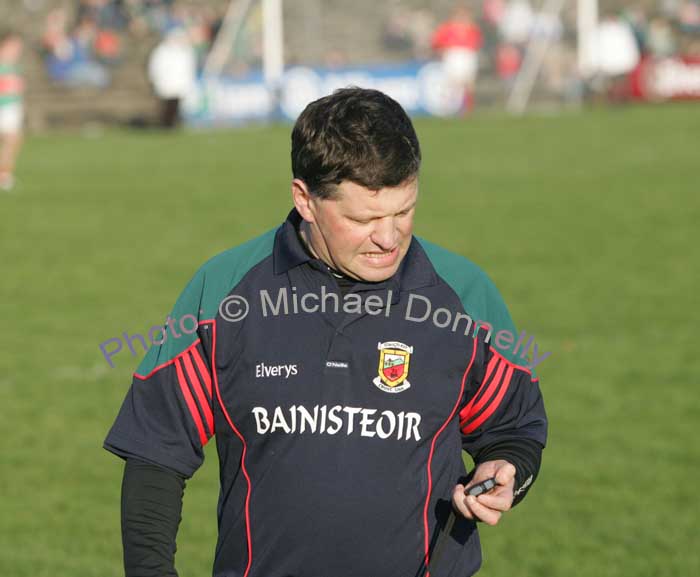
(81, 47)
(506, 27)
(85, 43)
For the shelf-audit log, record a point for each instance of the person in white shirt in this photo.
(172, 70)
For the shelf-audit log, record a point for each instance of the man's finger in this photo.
(459, 502)
(505, 474)
(499, 499)
(487, 515)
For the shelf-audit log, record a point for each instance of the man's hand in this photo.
(488, 507)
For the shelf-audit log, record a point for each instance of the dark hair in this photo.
(354, 134)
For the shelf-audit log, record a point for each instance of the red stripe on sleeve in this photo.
(467, 410)
(197, 386)
(491, 366)
(494, 404)
(191, 404)
(488, 395)
(202, 370)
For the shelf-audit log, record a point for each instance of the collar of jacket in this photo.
(415, 270)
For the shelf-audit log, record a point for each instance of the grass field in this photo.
(588, 223)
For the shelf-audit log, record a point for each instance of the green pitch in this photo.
(589, 225)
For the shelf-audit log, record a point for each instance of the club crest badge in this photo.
(394, 359)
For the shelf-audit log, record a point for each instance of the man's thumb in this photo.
(505, 474)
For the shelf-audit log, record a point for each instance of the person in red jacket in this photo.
(458, 41)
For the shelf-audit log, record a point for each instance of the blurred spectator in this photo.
(458, 41)
(494, 10)
(409, 31)
(107, 17)
(547, 26)
(148, 15)
(661, 42)
(616, 51)
(517, 22)
(689, 16)
(107, 14)
(669, 8)
(108, 47)
(637, 20)
(69, 58)
(508, 60)
(200, 28)
(614, 54)
(396, 36)
(55, 37)
(11, 106)
(172, 69)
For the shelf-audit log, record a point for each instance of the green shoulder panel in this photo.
(479, 296)
(201, 297)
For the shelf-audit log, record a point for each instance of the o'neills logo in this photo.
(393, 367)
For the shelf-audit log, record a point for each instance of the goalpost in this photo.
(273, 39)
(586, 24)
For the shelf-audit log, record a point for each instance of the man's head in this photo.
(10, 46)
(355, 161)
(462, 14)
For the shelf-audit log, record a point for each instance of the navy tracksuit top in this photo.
(339, 421)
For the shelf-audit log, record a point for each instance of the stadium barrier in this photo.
(421, 87)
(675, 78)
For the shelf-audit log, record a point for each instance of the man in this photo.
(11, 107)
(340, 413)
(458, 41)
(172, 70)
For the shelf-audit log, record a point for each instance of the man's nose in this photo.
(385, 233)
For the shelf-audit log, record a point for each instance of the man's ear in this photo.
(303, 201)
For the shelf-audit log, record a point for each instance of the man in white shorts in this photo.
(11, 106)
(458, 41)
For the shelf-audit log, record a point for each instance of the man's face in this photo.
(11, 50)
(360, 232)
